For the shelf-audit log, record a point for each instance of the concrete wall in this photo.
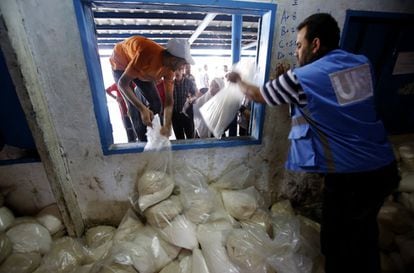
(45, 38)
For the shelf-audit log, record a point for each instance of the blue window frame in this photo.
(84, 14)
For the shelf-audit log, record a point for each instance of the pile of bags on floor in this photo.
(24, 241)
(176, 226)
(396, 218)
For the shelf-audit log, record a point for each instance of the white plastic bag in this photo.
(186, 265)
(199, 263)
(249, 248)
(242, 204)
(261, 219)
(99, 241)
(195, 195)
(153, 187)
(51, 219)
(155, 184)
(130, 225)
(236, 176)
(180, 232)
(30, 237)
(6, 247)
(156, 141)
(219, 111)
(212, 238)
(99, 235)
(173, 267)
(407, 182)
(161, 214)
(146, 252)
(199, 123)
(21, 263)
(287, 256)
(6, 218)
(66, 253)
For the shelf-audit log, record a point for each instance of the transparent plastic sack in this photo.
(6, 247)
(99, 235)
(111, 267)
(290, 262)
(248, 249)
(309, 238)
(236, 176)
(155, 183)
(146, 251)
(66, 253)
(30, 237)
(407, 200)
(185, 265)
(161, 214)
(220, 110)
(242, 204)
(199, 263)
(21, 263)
(282, 208)
(260, 219)
(156, 141)
(173, 267)
(100, 252)
(219, 213)
(406, 152)
(180, 232)
(396, 218)
(153, 187)
(195, 195)
(99, 241)
(51, 219)
(6, 218)
(129, 226)
(405, 245)
(407, 182)
(199, 124)
(23, 220)
(286, 256)
(83, 269)
(212, 238)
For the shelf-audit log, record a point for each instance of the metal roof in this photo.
(205, 30)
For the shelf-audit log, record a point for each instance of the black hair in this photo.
(167, 53)
(324, 27)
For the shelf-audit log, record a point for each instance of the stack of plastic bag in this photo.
(198, 226)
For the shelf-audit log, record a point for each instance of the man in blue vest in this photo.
(336, 132)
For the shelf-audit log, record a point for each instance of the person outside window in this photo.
(184, 95)
(142, 61)
(114, 93)
(336, 132)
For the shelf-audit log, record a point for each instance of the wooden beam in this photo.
(23, 71)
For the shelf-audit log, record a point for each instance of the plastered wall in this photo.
(46, 39)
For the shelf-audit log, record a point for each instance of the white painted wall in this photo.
(103, 183)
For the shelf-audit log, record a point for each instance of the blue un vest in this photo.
(338, 130)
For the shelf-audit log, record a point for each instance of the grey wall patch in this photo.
(352, 85)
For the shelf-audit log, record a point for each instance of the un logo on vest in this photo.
(353, 84)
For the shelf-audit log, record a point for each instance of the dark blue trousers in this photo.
(349, 230)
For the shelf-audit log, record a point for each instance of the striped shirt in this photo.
(183, 89)
(285, 89)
